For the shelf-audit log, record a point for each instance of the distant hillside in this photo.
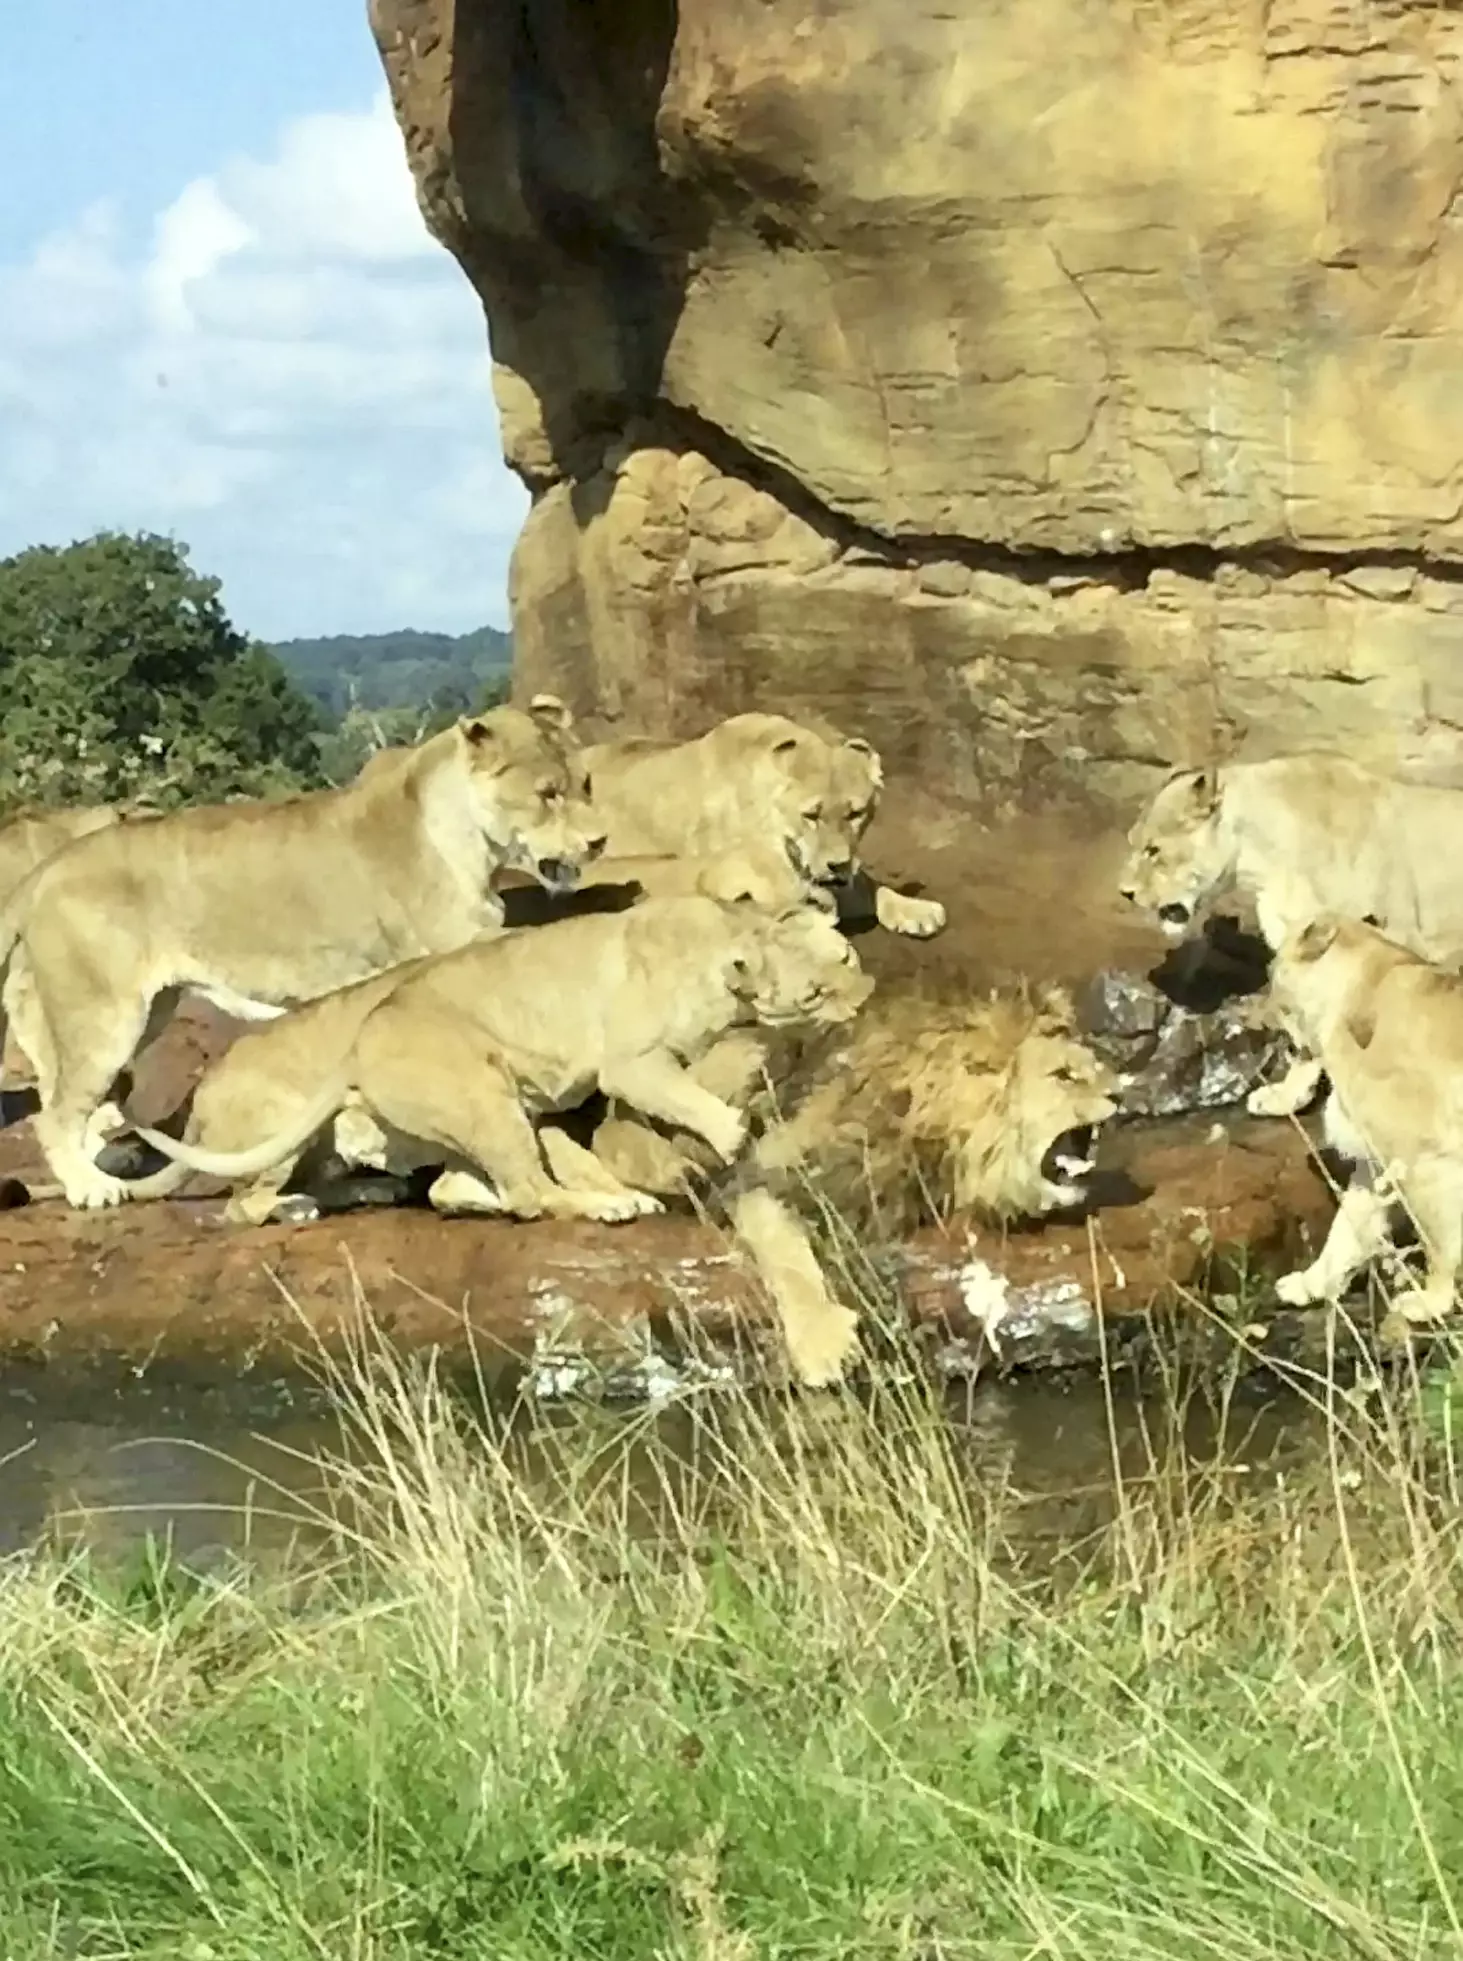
(398, 670)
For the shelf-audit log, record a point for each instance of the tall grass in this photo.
(800, 1701)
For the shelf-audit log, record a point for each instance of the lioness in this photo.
(259, 905)
(454, 1057)
(1388, 1028)
(752, 777)
(925, 1109)
(1302, 835)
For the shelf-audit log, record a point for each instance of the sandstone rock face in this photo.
(1047, 389)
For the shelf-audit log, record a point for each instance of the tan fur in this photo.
(925, 1109)
(1387, 1027)
(260, 905)
(454, 1058)
(1300, 836)
(29, 836)
(758, 872)
(752, 779)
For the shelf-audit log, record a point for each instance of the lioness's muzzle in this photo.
(1174, 914)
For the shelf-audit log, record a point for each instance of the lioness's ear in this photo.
(551, 713)
(876, 763)
(1204, 789)
(1312, 941)
(475, 731)
(785, 745)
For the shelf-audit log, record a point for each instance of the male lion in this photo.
(260, 905)
(1388, 1028)
(925, 1109)
(752, 777)
(454, 1057)
(1302, 835)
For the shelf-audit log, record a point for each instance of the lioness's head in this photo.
(814, 795)
(1179, 855)
(794, 966)
(530, 790)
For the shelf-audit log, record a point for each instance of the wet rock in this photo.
(1177, 1062)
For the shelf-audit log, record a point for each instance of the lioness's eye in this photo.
(1062, 1074)
(587, 791)
(814, 814)
(550, 792)
(1150, 851)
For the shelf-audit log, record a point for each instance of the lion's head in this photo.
(992, 1107)
(530, 791)
(1179, 854)
(815, 794)
(794, 967)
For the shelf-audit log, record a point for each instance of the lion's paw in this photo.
(823, 1348)
(295, 1209)
(1419, 1308)
(94, 1191)
(1270, 1100)
(918, 919)
(614, 1208)
(1297, 1289)
(459, 1191)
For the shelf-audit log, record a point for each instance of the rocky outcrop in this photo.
(1047, 389)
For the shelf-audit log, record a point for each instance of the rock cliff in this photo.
(1048, 389)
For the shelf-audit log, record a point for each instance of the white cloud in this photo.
(288, 373)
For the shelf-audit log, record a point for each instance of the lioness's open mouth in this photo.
(1072, 1156)
(557, 874)
(1174, 915)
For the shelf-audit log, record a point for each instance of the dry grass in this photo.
(803, 1704)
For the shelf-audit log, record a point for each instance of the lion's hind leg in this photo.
(821, 1334)
(1432, 1192)
(468, 1105)
(580, 1170)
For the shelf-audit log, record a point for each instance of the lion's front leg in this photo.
(658, 1086)
(917, 919)
(579, 1170)
(1358, 1233)
(821, 1334)
(1291, 1094)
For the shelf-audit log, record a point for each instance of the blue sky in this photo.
(221, 317)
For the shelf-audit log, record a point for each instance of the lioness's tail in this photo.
(260, 1157)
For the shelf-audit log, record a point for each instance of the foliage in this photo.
(815, 1713)
(121, 674)
(453, 674)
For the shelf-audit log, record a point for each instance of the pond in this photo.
(225, 1469)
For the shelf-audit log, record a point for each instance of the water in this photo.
(220, 1469)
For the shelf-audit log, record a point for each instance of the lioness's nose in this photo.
(842, 871)
(1127, 891)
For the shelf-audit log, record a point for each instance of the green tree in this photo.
(121, 674)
